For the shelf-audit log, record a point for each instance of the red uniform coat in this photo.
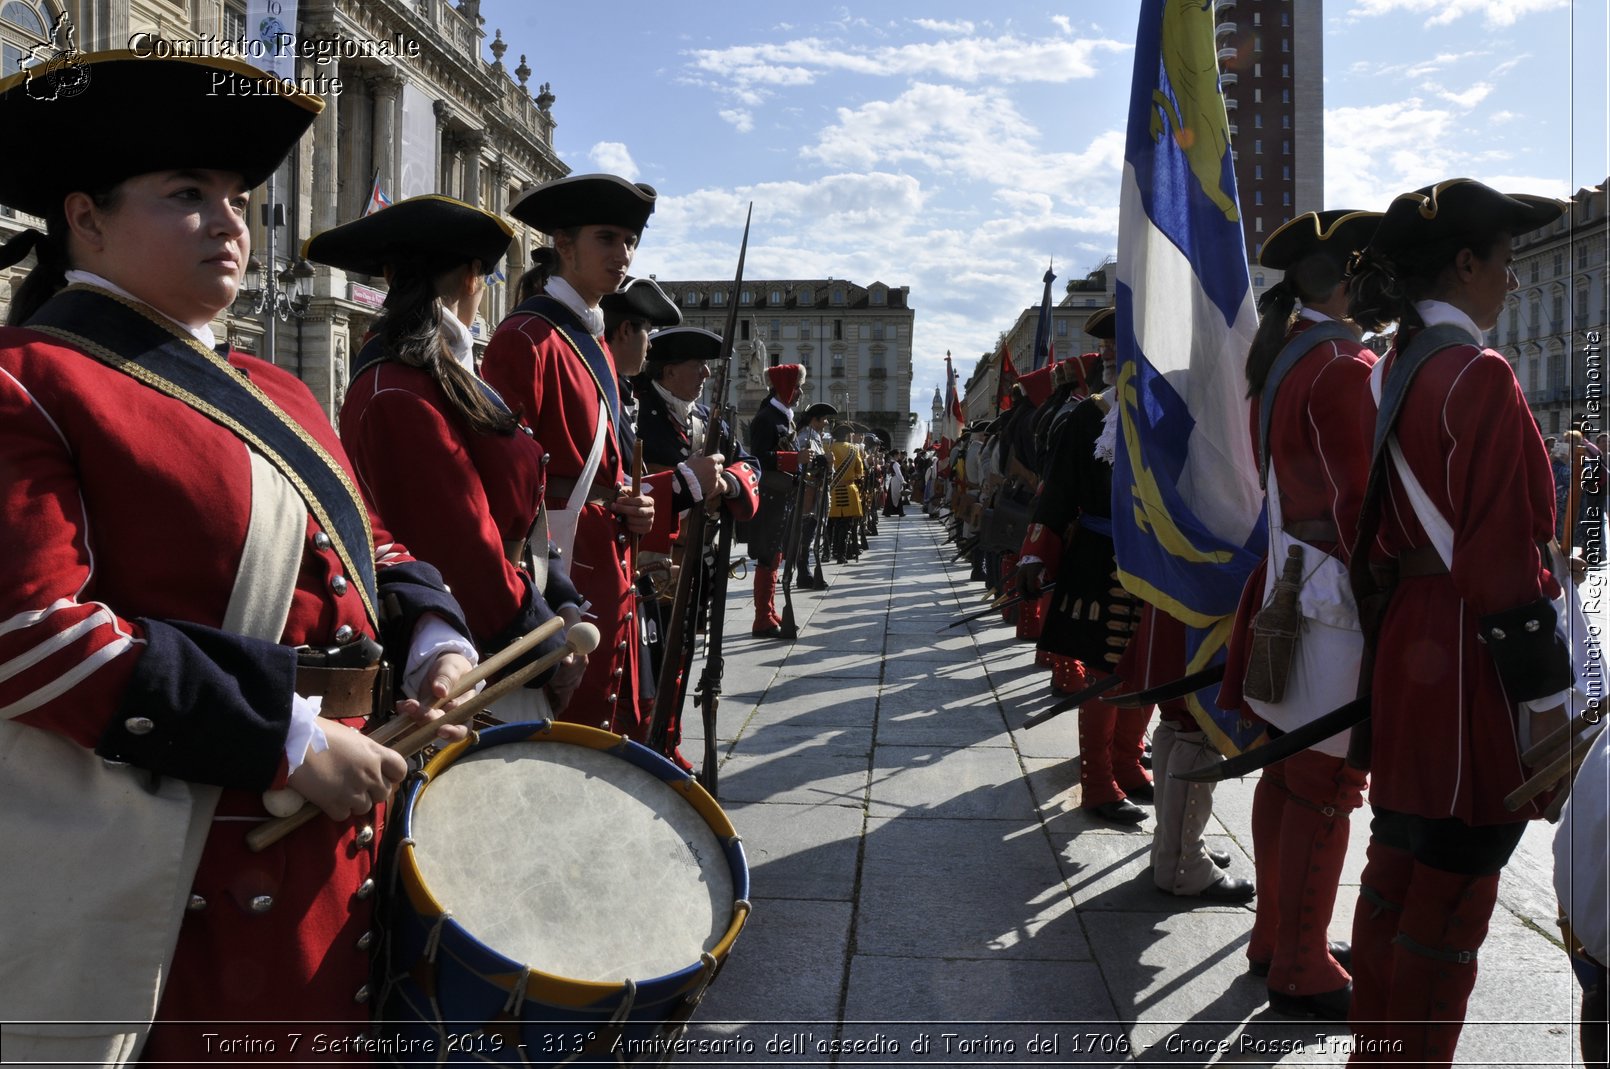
(123, 513)
(454, 495)
(544, 379)
(1320, 450)
(1444, 733)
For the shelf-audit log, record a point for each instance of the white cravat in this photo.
(1437, 313)
(459, 340)
(566, 294)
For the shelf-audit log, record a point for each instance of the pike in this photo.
(792, 529)
(682, 631)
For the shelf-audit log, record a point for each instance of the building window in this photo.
(1285, 148)
(746, 298)
(1535, 319)
(1257, 146)
(1285, 44)
(1285, 122)
(866, 332)
(838, 330)
(1285, 70)
(1257, 280)
(1257, 172)
(807, 296)
(777, 330)
(878, 296)
(1514, 321)
(234, 22)
(1062, 328)
(1257, 42)
(1582, 307)
(1285, 18)
(1257, 96)
(22, 27)
(1536, 264)
(1285, 96)
(691, 298)
(1559, 263)
(743, 330)
(1285, 172)
(1257, 227)
(1257, 120)
(1557, 321)
(1257, 18)
(805, 329)
(838, 365)
(718, 298)
(838, 296)
(1257, 72)
(1257, 198)
(776, 296)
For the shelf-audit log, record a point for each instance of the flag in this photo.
(953, 403)
(496, 278)
(377, 197)
(1187, 523)
(1003, 381)
(1042, 329)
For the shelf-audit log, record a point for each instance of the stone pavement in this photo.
(927, 891)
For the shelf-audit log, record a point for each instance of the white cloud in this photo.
(1467, 99)
(1063, 23)
(938, 26)
(741, 120)
(1442, 12)
(612, 157)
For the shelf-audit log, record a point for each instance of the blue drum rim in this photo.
(549, 987)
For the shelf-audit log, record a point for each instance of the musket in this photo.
(1283, 746)
(791, 533)
(819, 531)
(708, 692)
(682, 627)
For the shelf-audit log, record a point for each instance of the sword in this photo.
(1179, 688)
(1278, 749)
(1003, 603)
(1073, 701)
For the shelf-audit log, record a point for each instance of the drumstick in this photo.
(394, 729)
(1560, 736)
(1544, 778)
(582, 638)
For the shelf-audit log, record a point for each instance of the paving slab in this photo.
(800, 851)
(930, 781)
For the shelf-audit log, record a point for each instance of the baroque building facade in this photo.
(854, 341)
(431, 116)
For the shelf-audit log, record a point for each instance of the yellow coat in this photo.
(846, 501)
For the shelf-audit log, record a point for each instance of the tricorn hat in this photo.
(439, 229)
(679, 344)
(1339, 233)
(586, 200)
(641, 298)
(820, 410)
(1103, 324)
(87, 122)
(1456, 207)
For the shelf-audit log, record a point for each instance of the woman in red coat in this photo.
(1467, 648)
(1309, 377)
(436, 449)
(547, 360)
(194, 587)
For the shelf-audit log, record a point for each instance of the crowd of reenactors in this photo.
(1409, 634)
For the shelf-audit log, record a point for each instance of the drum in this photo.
(558, 895)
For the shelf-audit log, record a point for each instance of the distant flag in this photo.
(952, 401)
(1042, 329)
(1004, 381)
(377, 197)
(1187, 526)
(497, 277)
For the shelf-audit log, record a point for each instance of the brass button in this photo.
(338, 584)
(196, 904)
(366, 940)
(366, 888)
(343, 634)
(139, 725)
(631, 616)
(321, 541)
(616, 674)
(261, 903)
(613, 698)
(366, 835)
(621, 646)
(621, 539)
(362, 994)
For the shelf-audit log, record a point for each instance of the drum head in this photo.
(572, 861)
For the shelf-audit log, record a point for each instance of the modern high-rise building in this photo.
(1272, 67)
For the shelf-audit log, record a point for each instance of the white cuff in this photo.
(733, 486)
(306, 735)
(691, 482)
(433, 637)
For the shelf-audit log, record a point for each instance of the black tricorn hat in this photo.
(87, 122)
(586, 200)
(1103, 324)
(641, 298)
(1340, 233)
(980, 426)
(679, 344)
(1457, 207)
(820, 410)
(439, 229)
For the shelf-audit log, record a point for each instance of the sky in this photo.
(957, 148)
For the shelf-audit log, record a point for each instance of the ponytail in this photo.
(1275, 310)
(410, 332)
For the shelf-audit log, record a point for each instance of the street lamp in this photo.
(275, 295)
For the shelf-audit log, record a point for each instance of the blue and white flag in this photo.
(1187, 524)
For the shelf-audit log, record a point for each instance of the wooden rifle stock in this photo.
(682, 626)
